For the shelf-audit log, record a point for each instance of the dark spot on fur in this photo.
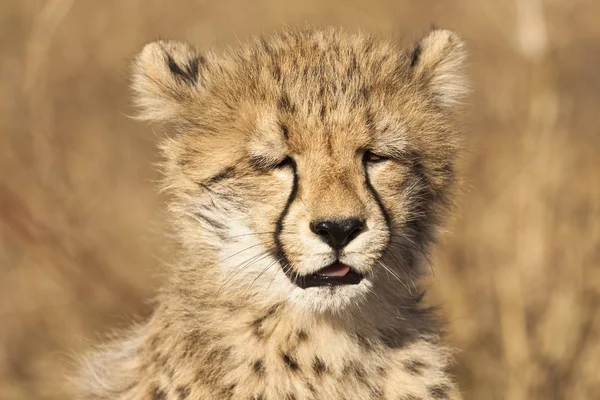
(377, 392)
(290, 362)
(364, 93)
(323, 112)
(183, 392)
(311, 388)
(359, 371)
(319, 366)
(276, 72)
(258, 397)
(257, 324)
(258, 367)
(409, 397)
(158, 394)
(415, 367)
(284, 130)
(302, 335)
(439, 391)
(415, 56)
(228, 390)
(284, 104)
(290, 396)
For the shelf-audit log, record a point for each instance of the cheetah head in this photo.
(311, 166)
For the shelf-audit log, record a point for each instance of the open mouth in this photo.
(332, 275)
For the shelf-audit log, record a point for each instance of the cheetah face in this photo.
(309, 166)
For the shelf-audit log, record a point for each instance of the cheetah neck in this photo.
(223, 351)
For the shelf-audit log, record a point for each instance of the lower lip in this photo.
(331, 277)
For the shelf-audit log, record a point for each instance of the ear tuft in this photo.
(438, 61)
(165, 76)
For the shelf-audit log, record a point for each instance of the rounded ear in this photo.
(437, 61)
(165, 76)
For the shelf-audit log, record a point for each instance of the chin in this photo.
(331, 299)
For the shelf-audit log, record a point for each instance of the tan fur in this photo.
(231, 322)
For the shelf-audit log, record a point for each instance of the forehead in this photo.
(312, 90)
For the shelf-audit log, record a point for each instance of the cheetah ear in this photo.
(437, 61)
(165, 76)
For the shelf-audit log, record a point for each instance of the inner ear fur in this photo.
(437, 61)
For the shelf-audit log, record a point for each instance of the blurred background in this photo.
(83, 232)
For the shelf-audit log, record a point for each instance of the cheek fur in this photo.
(266, 197)
(394, 185)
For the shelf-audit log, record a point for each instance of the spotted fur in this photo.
(292, 128)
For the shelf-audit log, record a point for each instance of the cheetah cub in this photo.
(308, 171)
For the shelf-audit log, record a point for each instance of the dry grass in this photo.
(81, 227)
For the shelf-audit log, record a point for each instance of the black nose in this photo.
(338, 234)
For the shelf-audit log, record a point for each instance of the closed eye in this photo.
(286, 162)
(370, 157)
(267, 164)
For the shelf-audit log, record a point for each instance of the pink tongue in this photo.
(336, 269)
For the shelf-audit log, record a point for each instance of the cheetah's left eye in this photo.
(373, 158)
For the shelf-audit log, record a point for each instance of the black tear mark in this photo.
(415, 56)
(375, 194)
(439, 391)
(188, 74)
(290, 362)
(279, 252)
